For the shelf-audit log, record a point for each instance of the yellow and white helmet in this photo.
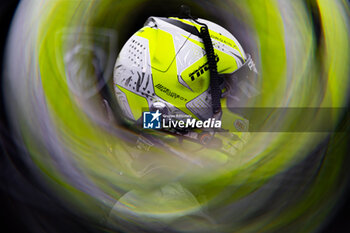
(167, 64)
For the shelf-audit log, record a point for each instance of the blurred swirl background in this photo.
(67, 167)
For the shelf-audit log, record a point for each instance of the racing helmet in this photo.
(170, 64)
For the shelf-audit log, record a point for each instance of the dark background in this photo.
(26, 205)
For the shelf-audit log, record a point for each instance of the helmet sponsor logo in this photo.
(169, 92)
(223, 40)
(157, 120)
(200, 71)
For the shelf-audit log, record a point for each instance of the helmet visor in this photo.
(242, 86)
